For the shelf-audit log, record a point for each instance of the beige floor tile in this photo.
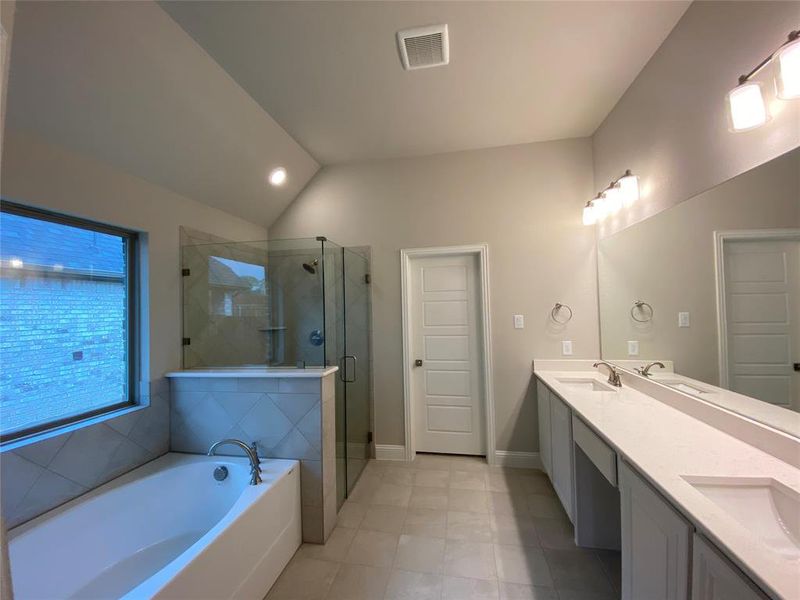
(372, 548)
(538, 484)
(427, 522)
(519, 564)
(463, 588)
(545, 506)
(334, 549)
(351, 514)
(399, 476)
(504, 482)
(584, 595)
(611, 561)
(469, 559)
(516, 530)
(519, 591)
(422, 554)
(358, 582)
(304, 579)
(503, 503)
(468, 501)
(422, 497)
(384, 518)
(431, 478)
(475, 464)
(364, 491)
(468, 480)
(408, 585)
(555, 533)
(577, 569)
(390, 494)
(468, 526)
(432, 461)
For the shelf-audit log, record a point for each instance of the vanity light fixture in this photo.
(621, 192)
(277, 176)
(746, 107)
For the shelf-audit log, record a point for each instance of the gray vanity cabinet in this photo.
(655, 543)
(561, 453)
(714, 578)
(543, 400)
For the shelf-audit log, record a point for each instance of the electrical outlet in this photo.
(683, 319)
(519, 322)
(566, 347)
(633, 348)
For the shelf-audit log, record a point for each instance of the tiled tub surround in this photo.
(40, 475)
(666, 436)
(450, 528)
(288, 413)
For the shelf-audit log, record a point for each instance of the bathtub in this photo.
(165, 530)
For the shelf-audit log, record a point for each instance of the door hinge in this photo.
(186, 272)
(367, 278)
(369, 437)
(187, 341)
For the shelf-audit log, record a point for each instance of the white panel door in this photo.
(446, 384)
(762, 307)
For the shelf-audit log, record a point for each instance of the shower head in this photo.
(312, 266)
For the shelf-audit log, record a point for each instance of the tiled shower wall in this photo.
(42, 475)
(286, 417)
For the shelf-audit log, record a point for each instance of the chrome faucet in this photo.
(613, 374)
(252, 454)
(645, 370)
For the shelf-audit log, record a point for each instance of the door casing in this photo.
(481, 251)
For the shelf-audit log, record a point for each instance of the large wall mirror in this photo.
(712, 285)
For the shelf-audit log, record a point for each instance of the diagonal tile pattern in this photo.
(503, 543)
(42, 475)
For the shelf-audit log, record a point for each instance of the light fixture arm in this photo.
(790, 38)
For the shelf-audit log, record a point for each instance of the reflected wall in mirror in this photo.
(721, 272)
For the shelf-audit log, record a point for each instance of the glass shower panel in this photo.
(357, 363)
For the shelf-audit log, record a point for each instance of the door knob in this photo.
(418, 362)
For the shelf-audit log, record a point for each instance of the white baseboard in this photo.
(518, 460)
(390, 452)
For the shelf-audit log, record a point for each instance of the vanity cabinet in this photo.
(714, 578)
(561, 453)
(655, 543)
(543, 400)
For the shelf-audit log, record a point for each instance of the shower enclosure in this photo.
(286, 303)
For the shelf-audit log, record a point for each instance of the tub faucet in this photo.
(252, 454)
(613, 374)
(645, 370)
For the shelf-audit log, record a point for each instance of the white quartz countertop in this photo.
(664, 445)
(256, 372)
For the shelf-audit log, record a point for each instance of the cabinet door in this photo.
(561, 452)
(714, 578)
(543, 399)
(655, 543)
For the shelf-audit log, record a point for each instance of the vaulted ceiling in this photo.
(330, 74)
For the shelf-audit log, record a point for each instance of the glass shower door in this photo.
(355, 365)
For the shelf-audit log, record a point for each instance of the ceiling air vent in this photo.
(423, 47)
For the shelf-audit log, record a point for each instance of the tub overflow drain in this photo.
(220, 473)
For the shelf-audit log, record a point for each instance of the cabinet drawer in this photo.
(600, 453)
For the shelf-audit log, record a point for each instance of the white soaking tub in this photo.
(165, 530)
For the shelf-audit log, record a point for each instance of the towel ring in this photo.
(556, 310)
(644, 308)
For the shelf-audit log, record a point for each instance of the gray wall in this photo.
(524, 201)
(39, 476)
(671, 125)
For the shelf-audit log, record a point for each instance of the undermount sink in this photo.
(586, 384)
(764, 506)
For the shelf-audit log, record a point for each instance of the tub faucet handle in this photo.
(256, 461)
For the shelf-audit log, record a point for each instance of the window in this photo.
(67, 320)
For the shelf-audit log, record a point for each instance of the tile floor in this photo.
(450, 528)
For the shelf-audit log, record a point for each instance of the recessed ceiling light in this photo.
(277, 176)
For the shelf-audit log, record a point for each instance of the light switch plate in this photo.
(566, 347)
(519, 322)
(633, 348)
(683, 319)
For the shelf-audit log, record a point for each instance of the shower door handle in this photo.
(343, 368)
